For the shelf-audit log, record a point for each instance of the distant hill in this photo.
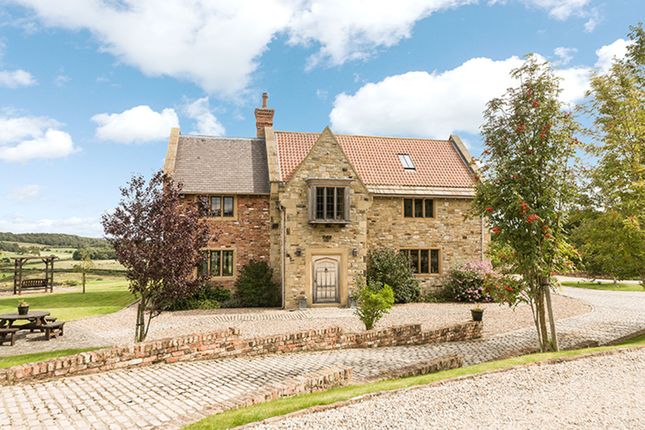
(54, 239)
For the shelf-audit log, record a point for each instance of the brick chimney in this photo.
(263, 116)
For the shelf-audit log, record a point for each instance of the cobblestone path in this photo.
(168, 396)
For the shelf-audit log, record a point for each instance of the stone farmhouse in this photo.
(312, 205)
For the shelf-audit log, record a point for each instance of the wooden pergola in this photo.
(47, 282)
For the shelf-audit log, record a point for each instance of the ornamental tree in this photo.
(158, 239)
(527, 183)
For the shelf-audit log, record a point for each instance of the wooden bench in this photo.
(53, 329)
(10, 333)
(34, 284)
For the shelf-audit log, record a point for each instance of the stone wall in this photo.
(456, 235)
(325, 160)
(247, 233)
(228, 344)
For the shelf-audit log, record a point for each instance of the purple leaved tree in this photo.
(158, 239)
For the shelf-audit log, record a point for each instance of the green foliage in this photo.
(102, 253)
(373, 300)
(10, 247)
(255, 286)
(465, 283)
(206, 297)
(611, 227)
(387, 266)
(612, 245)
(528, 180)
(54, 239)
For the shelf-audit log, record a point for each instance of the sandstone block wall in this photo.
(456, 235)
(326, 160)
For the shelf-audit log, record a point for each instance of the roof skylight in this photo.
(406, 162)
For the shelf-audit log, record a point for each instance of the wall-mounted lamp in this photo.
(354, 252)
(298, 252)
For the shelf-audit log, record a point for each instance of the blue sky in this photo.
(89, 89)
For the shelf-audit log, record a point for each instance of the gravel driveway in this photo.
(605, 391)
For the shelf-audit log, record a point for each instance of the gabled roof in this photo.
(438, 163)
(207, 165)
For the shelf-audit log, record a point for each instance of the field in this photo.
(104, 273)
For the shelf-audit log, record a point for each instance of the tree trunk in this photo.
(543, 333)
(140, 332)
(83, 281)
(554, 335)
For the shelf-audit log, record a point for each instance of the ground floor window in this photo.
(217, 263)
(423, 261)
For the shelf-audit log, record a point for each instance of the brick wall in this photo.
(228, 344)
(247, 233)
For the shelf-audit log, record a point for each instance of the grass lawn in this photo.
(98, 300)
(604, 286)
(238, 417)
(15, 360)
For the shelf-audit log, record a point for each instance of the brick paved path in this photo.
(169, 395)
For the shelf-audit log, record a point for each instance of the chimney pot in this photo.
(263, 116)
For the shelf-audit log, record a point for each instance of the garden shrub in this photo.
(373, 300)
(466, 282)
(255, 286)
(387, 266)
(206, 297)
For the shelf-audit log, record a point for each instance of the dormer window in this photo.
(406, 162)
(329, 201)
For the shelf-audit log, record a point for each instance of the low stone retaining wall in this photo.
(228, 344)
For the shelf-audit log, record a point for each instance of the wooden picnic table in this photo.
(36, 319)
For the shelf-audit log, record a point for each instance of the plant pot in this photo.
(477, 314)
(23, 310)
(302, 303)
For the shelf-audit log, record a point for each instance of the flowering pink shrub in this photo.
(466, 282)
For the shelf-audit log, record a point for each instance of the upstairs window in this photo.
(218, 206)
(423, 261)
(406, 162)
(329, 201)
(418, 208)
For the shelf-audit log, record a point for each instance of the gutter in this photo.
(283, 219)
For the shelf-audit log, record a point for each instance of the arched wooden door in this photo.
(326, 279)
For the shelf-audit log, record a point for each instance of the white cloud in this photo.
(28, 138)
(352, 29)
(217, 44)
(560, 9)
(206, 123)
(565, 55)
(139, 124)
(16, 78)
(25, 193)
(86, 226)
(593, 21)
(61, 80)
(437, 104)
(608, 53)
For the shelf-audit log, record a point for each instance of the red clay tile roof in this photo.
(438, 162)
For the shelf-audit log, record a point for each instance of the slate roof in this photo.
(207, 165)
(376, 159)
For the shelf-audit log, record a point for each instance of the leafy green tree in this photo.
(84, 266)
(373, 300)
(613, 233)
(387, 266)
(528, 182)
